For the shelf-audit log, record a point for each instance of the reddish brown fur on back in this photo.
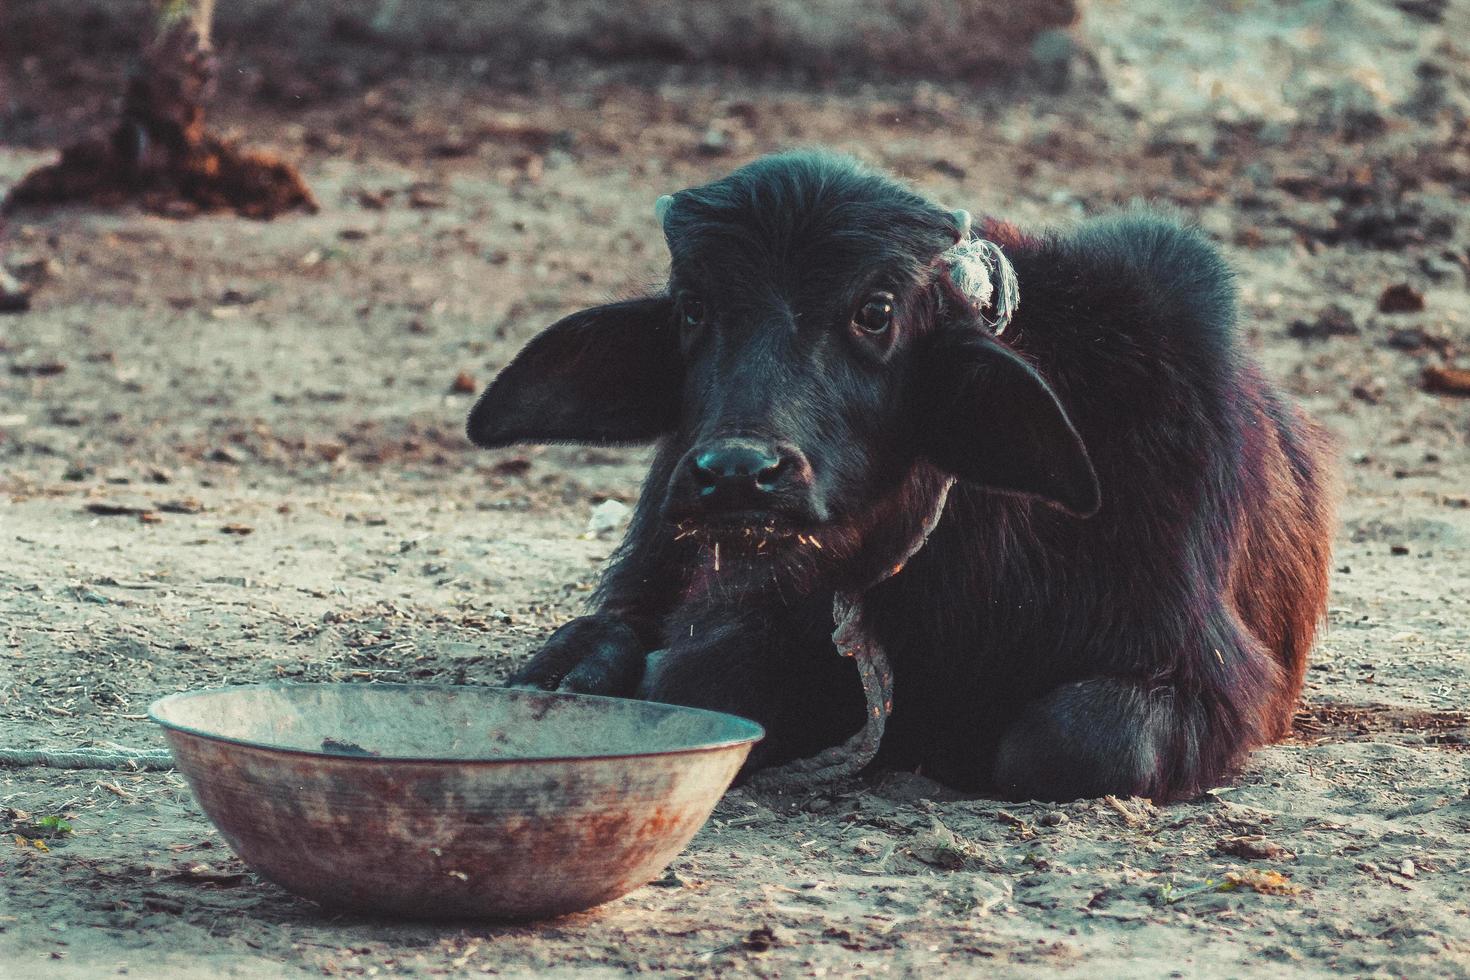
(1279, 574)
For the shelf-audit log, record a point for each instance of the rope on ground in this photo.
(853, 756)
(85, 759)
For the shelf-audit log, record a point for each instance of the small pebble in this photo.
(714, 142)
(608, 516)
(15, 296)
(1401, 298)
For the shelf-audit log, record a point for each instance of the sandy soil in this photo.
(278, 399)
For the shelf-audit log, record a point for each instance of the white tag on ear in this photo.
(980, 270)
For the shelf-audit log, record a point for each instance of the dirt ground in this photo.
(231, 451)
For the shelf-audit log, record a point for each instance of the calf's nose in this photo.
(735, 465)
(738, 474)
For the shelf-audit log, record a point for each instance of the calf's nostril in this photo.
(702, 468)
(712, 465)
(768, 476)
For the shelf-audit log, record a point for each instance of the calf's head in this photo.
(811, 353)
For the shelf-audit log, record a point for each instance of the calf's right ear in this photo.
(611, 374)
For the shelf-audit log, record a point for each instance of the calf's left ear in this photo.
(983, 414)
(611, 374)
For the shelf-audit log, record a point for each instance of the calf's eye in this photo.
(875, 316)
(691, 310)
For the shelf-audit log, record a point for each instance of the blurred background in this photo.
(231, 447)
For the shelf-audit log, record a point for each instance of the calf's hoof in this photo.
(597, 654)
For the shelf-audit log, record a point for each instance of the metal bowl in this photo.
(451, 802)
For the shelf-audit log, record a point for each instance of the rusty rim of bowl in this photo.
(754, 731)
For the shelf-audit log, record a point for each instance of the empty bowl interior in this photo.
(397, 721)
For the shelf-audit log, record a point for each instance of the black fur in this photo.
(1124, 586)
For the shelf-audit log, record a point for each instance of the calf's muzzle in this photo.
(729, 476)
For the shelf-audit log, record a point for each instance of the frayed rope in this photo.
(982, 273)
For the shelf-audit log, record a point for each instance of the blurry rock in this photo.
(1441, 270)
(1429, 10)
(375, 200)
(948, 168)
(1447, 380)
(237, 297)
(15, 296)
(1439, 89)
(224, 454)
(330, 450)
(608, 516)
(1370, 390)
(513, 466)
(1253, 847)
(714, 142)
(37, 270)
(66, 415)
(761, 940)
(119, 508)
(1390, 220)
(184, 505)
(1401, 298)
(1332, 321)
(463, 384)
(425, 197)
(455, 144)
(1408, 338)
(1416, 339)
(39, 369)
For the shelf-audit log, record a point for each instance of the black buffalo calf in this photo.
(1123, 587)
